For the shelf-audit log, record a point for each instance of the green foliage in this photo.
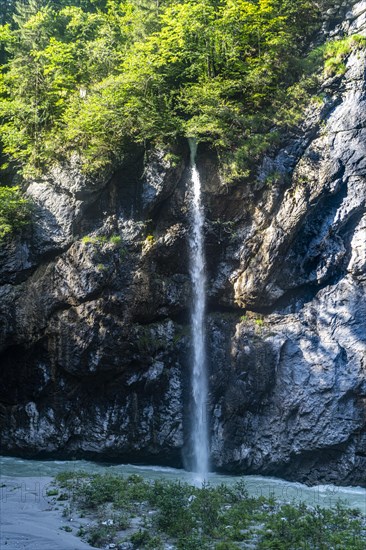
(94, 240)
(296, 527)
(99, 535)
(101, 489)
(93, 76)
(173, 501)
(69, 479)
(149, 241)
(144, 539)
(336, 51)
(104, 248)
(116, 240)
(222, 517)
(253, 319)
(14, 212)
(52, 492)
(272, 178)
(226, 546)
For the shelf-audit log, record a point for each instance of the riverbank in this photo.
(31, 519)
(156, 508)
(325, 496)
(79, 511)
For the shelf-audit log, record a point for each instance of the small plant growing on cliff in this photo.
(116, 240)
(257, 321)
(122, 252)
(272, 178)
(15, 212)
(172, 159)
(148, 242)
(101, 239)
(336, 52)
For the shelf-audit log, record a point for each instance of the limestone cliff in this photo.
(94, 310)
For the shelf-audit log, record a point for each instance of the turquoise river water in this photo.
(322, 495)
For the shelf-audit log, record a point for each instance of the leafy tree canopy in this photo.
(92, 76)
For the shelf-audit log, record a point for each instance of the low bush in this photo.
(210, 517)
(15, 212)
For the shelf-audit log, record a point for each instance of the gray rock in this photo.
(55, 214)
(161, 175)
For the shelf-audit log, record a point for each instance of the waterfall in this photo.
(199, 428)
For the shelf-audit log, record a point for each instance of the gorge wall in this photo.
(94, 305)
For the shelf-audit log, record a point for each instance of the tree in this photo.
(94, 76)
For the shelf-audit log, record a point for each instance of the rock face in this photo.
(94, 306)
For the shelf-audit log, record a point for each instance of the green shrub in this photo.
(87, 239)
(100, 239)
(141, 538)
(226, 546)
(15, 212)
(71, 478)
(193, 541)
(174, 515)
(336, 52)
(101, 488)
(116, 240)
(121, 520)
(100, 535)
(222, 517)
(206, 508)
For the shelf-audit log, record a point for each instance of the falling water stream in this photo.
(199, 429)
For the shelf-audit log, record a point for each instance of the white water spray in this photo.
(199, 428)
